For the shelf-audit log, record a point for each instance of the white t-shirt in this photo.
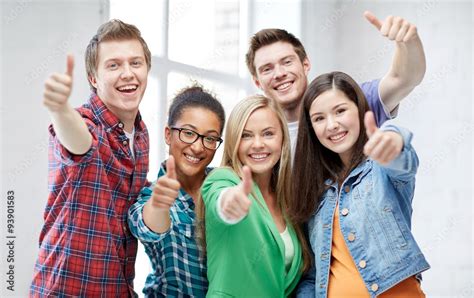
(131, 137)
(293, 131)
(289, 248)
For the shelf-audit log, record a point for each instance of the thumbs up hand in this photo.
(167, 187)
(394, 28)
(382, 146)
(58, 88)
(235, 203)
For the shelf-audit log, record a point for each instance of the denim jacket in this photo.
(375, 209)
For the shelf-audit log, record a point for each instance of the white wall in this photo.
(37, 34)
(35, 38)
(439, 112)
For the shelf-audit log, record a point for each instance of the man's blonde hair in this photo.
(112, 30)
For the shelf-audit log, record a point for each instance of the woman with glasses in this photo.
(164, 215)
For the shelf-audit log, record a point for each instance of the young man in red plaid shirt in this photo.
(98, 160)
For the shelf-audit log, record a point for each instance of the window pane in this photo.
(277, 14)
(205, 34)
(147, 15)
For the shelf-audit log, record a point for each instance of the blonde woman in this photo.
(252, 247)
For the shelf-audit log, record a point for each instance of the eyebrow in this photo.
(334, 108)
(120, 59)
(292, 56)
(195, 128)
(266, 128)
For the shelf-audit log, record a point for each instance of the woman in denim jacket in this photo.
(354, 185)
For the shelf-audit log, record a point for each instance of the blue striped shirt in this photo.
(178, 268)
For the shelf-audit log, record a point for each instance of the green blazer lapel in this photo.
(269, 222)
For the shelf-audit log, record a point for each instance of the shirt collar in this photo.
(361, 168)
(109, 119)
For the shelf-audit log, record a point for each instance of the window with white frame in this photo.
(203, 41)
(190, 41)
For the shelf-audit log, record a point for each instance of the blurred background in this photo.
(206, 41)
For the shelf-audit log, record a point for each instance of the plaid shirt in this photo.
(86, 249)
(178, 268)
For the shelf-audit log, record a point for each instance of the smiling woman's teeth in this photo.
(258, 156)
(337, 137)
(191, 158)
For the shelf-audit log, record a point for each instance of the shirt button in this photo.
(125, 228)
(374, 287)
(351, 237)
(347, 188)
(345, 211)
(362, 264)
(120, 125)
(125, 143)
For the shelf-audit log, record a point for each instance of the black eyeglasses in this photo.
(189, 136)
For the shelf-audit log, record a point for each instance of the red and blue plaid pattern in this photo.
(86, 248)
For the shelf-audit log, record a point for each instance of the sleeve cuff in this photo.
(138, 227)
(405, 133)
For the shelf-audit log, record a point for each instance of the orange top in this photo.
(346, 281)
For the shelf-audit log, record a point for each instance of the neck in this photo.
(263, 182)
(191, 184)
(346, 159)
(128, 127)
(292, 113)
(128, 120)
(268, 194)
(126, 117)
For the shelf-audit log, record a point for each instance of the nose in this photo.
(332, 124)
(126, 71)
(280, 71)
(197, 146)
(258, 142)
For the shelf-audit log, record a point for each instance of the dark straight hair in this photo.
(314, 163)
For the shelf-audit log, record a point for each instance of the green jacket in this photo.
(246, 259)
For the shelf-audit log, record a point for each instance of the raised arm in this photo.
(390, 146)
(408, 64)
(233, 203)
(69, 126)
(156, 212)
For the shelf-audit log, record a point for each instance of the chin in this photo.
(261, 169)
(193, 170)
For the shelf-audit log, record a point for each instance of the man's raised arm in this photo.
(69, 126)
(408, 64)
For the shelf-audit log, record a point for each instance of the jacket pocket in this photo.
(393, 229)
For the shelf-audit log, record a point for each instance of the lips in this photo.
(128, 88)
(259, 156)
(284, 86)
(337, 137)
(192, 159)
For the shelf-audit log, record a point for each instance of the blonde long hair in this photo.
(280, 179)
(281, 174)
